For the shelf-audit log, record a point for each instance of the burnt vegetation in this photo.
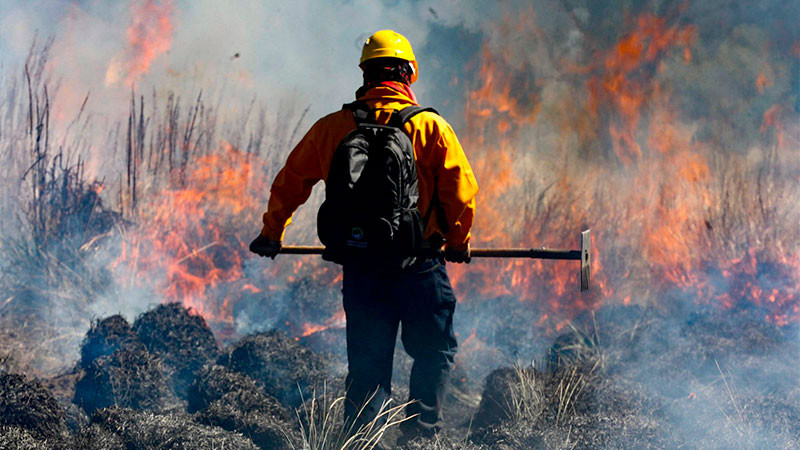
(182, 340)
(612, 379)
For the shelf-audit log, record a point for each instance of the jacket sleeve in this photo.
(293, 185)
(457, 188)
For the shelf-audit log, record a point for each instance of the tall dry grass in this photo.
(322, 426)
(63, 215)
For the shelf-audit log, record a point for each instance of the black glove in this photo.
(457, 255)
(266, 247)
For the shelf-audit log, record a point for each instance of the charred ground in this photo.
(619, 378)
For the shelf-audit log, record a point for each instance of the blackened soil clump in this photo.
(19, 438)
(129, 377)
(622, 377)
(283, 368)
(258, 416)
(212, 382)
(28, 410)
(104, 338)
(234, 402)
(181, 339)
(631, 377)
(145, 430)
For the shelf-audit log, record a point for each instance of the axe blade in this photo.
(586, 259)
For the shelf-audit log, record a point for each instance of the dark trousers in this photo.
(375, 303)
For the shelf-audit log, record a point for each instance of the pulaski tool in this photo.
(584, 255)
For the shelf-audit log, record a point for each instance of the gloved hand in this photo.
(460, 254)
(266, 247)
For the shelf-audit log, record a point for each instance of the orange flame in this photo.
(620, 85)
(149, 36)
(660, 208)
(336, 321)
(762, 82)
(665, 220)
(187, 237)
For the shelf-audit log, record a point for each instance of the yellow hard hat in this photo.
(389, 44)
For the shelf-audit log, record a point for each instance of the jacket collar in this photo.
(387, 92)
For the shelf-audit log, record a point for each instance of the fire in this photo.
(187, 243)
(190, 245)
(496, 112)
(621, 85)
(674, 216)
(336, 321)
(149, 36)
(772, 121)
(669, 215)
(762, 82)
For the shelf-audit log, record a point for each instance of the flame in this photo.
(149, 36)
(336, 321)
(667, 215)
(762, 82)
(669, 219)
(773, 121)
(621, 86)
(187, 244)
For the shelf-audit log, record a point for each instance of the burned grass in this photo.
(129, 377)
(214, 381)
(573, 406)
(143, 430)
(234, 402)
(283, 368)
(62, 387)
(181, 339)
(26, 404)
(619, 378)
(20, 438)
(95, 437)
(499, 402)
(259, 417)
(104, 338)
(633, 377)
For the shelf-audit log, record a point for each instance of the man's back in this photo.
(441, 163)
(419, 295)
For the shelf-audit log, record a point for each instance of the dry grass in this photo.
(60, 234)
(736, 418)
(569, 389)
(322, 428)
(525, 398)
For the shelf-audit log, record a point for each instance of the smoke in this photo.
(269, 50)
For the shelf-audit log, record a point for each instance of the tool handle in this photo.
(536, 253)
(584, 255)
(301, 250)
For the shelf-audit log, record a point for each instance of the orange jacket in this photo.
(441, 163)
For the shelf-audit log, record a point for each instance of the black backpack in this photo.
(370, 215)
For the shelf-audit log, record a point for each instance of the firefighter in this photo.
(418, 297)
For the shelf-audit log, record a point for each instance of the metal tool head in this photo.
(586, 259)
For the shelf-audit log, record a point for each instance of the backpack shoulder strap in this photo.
(404, 115)
(360, 111)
